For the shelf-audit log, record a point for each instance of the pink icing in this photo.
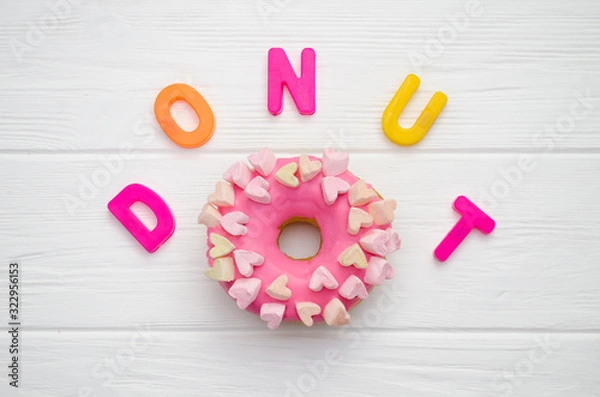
(304, 201)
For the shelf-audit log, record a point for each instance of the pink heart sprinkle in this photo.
(272, 313)
(245, 291)
(246, 260)
(380, 242)
(257, 190)
(263, 161)
(334, 163)
(352, 288)
(322, 278)
(332, 188)
(233, 223)
(378, 270)
(239, 173)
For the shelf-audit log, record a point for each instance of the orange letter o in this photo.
(206, 118)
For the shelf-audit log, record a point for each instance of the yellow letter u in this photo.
(412, 135)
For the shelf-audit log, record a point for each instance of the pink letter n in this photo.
(301, 88)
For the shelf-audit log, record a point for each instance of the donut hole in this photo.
(300, 238)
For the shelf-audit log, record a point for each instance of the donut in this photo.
(244, 217)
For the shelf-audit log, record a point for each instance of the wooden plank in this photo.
(538, 270)
(500, 64)
(149, 362)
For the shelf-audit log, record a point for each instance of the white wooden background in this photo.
(104, 318)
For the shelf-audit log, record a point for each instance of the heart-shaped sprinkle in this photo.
(222, 246)
(278, 289)
(332, 188)
(223, 196)
(358, 218)
(360, 194)
(335, 313)
(239, 174)
(353, 256)
(380, 242)
(320, 278)
(221, 270)
(353, 287)
(379, 270)
(272, 313)
(245, 291)
(382, 211)
(263, 161)
(233, 223)
(308, 168)
(306, 311)
(334, 163)
(210, 216)
(285, 175)
(246, 260)
(257, 190)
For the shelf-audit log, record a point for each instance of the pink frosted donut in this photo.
(244, 217)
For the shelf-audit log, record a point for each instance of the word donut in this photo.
(245, 216)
